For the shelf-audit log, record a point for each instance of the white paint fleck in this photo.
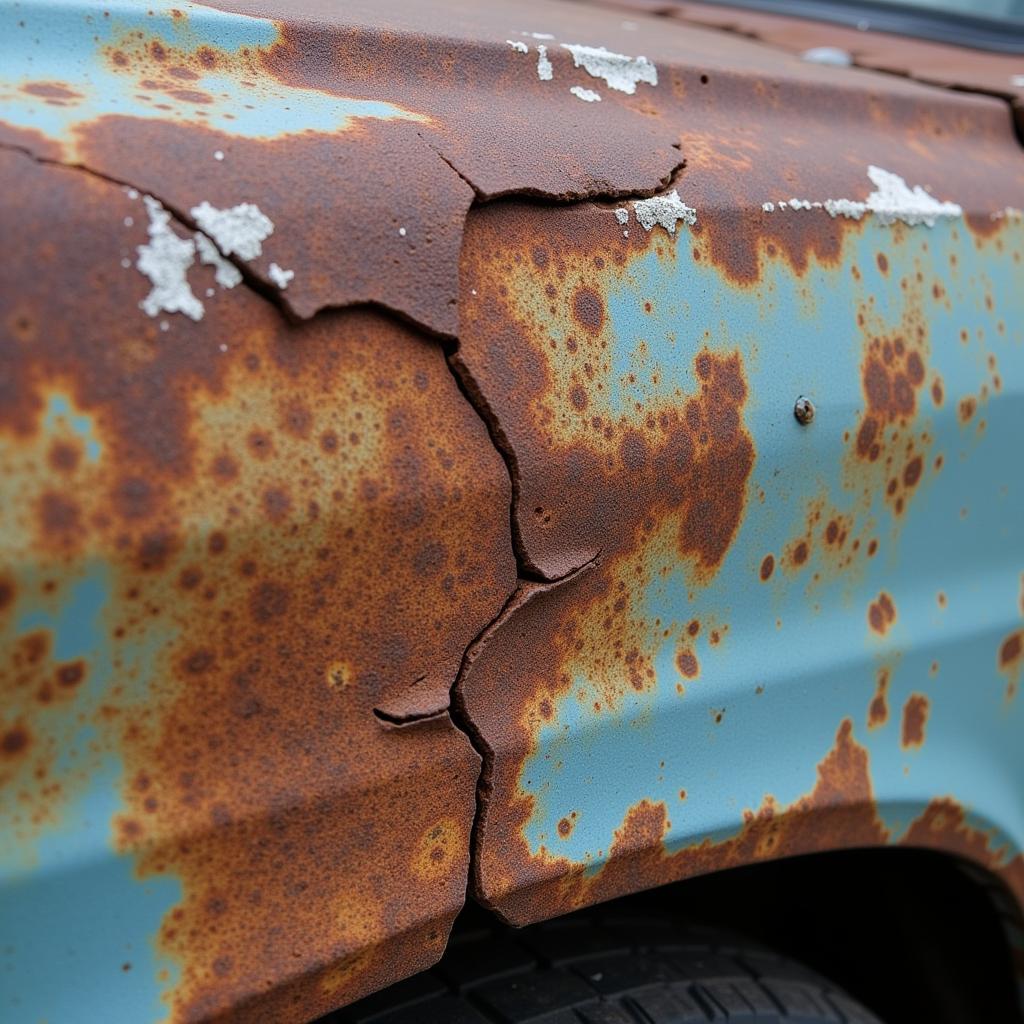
(622, 215)
(165, 260)
(126, 263)
(544, 72)
(280, 277)
(472, 291)
(625, 234)
(665, 210)
(518, 45)
(164, 325)
(892, 200)
(538, 35)
(129, 221)
(222, 347)
(587, 95)
(401, 231)
(210, 292)
(239, 229)
(1017, 81)
(218, 154)
(768, 207)
(131, 193)
(618, 70)
(226, 274)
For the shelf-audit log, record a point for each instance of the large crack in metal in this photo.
(531, 581)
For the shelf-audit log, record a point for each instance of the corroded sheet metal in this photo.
(359, 138)
(957, 67)
(225, 544)
(757, 637)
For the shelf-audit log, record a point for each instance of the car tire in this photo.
(591, 969)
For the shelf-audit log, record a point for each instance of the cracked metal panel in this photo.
(224, 545)
(773, 638)
(358, 137)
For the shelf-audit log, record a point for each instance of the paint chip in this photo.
(165, 260)
(518, 45)
(226, 274)
(238, 229)
(587, 95)
(401, 231)
(622, 215)
(892, 200)
(619, 71)
(665, 210)
(218, 154)
(280, 277)
(544, 70)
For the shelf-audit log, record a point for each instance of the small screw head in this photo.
(803, 410)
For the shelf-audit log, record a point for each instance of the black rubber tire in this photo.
(607, 970)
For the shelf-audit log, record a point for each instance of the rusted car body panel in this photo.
(342, 476)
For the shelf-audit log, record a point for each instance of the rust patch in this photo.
(878, 711)
(881, 614)
(839, 812)
(767, 567)
(943, 825)
(255, 600)
(1011, 661)
(915, 717)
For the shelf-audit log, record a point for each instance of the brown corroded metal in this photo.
(292, 527)
(612, 495)
(942, 64)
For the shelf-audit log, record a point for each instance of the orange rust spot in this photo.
(967, 408)
(883, 263)
(767, 567)
(588, 310)
(915, 717)
(881, 614)
(798, 553)
(937, 391)
(686, 662)
(51, 91)
(878, 712)
(14, 742)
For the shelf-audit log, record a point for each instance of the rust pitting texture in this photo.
(598, 487)
(370, 207)
(607, 468)
(284, 528)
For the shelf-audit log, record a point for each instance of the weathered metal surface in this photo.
(349, 133)
(774, 638)
(237, 548)
(224, 545)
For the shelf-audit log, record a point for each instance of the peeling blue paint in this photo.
(70, 44)
(807, 646)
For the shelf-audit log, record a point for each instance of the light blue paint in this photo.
(59, 413)
(70, 907)
(61, 41)
(820, 666)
